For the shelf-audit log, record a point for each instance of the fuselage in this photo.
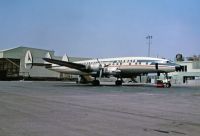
(123, 65)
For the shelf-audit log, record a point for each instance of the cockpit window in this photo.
(169, 61)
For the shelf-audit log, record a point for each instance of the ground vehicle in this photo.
(163, 83)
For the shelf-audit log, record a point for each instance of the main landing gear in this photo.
(118, 82)
(96, 82)
(167, 82)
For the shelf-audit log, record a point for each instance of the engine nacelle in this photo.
(112, 71)
(94, 67)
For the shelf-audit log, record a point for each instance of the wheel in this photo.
(118, 83)
(168, 85)
(95, 83)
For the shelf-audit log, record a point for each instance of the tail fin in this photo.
(28, 60)
(48, 55)
(65, 58)
(47, 64)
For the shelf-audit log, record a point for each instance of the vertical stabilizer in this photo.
(65, 58)
(28, 60)
(47, 55)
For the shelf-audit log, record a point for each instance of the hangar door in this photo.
(9, 68)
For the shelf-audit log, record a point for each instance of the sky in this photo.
(102, 28)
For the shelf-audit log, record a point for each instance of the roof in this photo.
(45, 50)
(24, 47)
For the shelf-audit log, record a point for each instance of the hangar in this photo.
(13, 64)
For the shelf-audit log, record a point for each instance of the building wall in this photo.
(192, 66)
(1, 54)
(37, 71)
(37, 54)
(192, 71)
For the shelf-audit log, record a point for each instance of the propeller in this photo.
(100, 68)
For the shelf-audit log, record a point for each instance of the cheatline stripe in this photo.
(142, 66)
(163, 66)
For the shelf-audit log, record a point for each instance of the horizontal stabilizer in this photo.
(39, 64)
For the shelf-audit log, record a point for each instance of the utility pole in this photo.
(149, 37)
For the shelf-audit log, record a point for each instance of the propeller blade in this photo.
(100, 65)
(101, 68)
(100, 73)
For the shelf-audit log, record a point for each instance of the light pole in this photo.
(149, 37)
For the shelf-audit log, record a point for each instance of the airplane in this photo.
(119, 67)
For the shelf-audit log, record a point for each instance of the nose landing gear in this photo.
(168, 84)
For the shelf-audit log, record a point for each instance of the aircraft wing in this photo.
(77, 66)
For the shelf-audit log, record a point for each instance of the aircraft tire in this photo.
(118, 83)
(95, 82)
(168, 85)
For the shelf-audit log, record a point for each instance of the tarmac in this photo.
(66, 109)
